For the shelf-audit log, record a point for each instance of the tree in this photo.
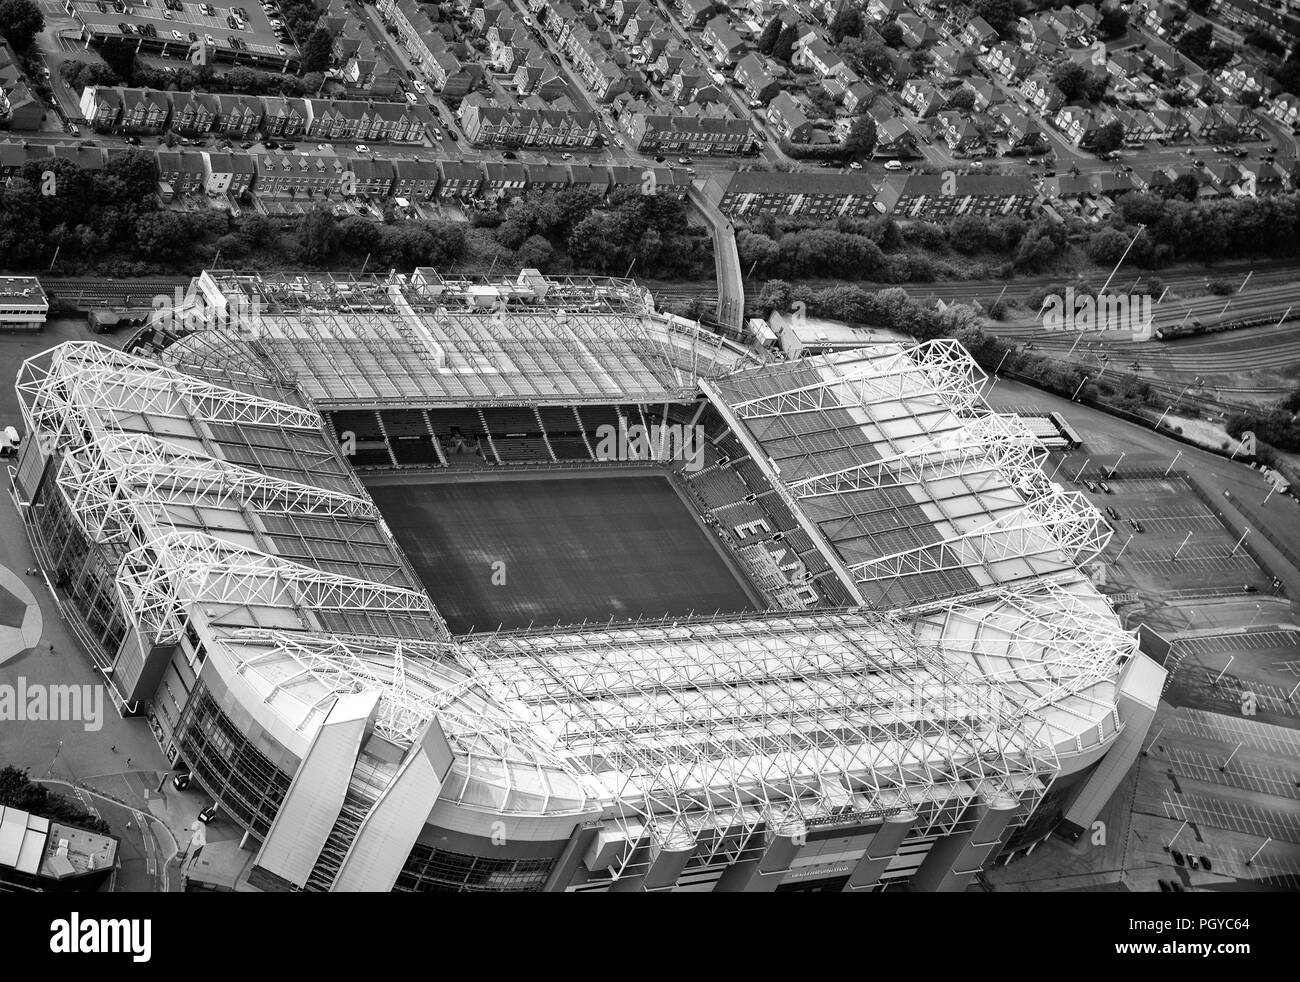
(1071, 78)
(1001, 14)
(869, 56)
(318, 234)
(1288, 76)
(1109, 137)
(891, 33)
(316, 56)
(1184, 186)
(783, 50)
(20, 22)
(861, 139)
(1107, 245)
(1195, 44)
(1114, 22)
(846, 23)
(968, 233)
(767, 40)
(119, 56)
(535, 253)
(963, 98)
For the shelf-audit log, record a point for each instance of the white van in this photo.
(10, 441)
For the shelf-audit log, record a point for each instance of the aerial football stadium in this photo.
(443, 583)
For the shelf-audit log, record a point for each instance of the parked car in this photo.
(420, 86)
(1105, 487)
(362, 148)
(1090, 486)
(893, 165)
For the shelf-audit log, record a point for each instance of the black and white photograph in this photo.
(504, 447)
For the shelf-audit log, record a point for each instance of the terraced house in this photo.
(415, 179)
(498, 126)
(238, 115)
(941, 198)
(144, 110)
(294, 174)
(101, 106)
(283, 116)
(179, 172)
(193, 112)
(814, 195)
(650, 132)
(415, 31)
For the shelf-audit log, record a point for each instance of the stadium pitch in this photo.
(511, 553)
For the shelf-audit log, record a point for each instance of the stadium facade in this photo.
(935, 681)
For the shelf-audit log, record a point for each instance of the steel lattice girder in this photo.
(65, 401)
(120, 481)
(903, 376)
(988, 443)
(1073, 647)
(1058, 522)
(158, 579)
(707, 721)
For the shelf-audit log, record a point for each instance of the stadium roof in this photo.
(988, 652)
(920, 490)
(424, 340)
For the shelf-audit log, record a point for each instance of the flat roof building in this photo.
(23, 305)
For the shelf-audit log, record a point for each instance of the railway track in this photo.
(99, 292)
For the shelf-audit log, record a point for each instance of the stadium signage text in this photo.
(845, 815)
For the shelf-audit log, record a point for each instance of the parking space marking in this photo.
(1233, 815)
(1231, 730)
(1245, 775)
(1220, 644)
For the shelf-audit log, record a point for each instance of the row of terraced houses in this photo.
(131, 110)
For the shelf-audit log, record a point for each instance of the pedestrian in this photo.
(128, 762)
(113, 748)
